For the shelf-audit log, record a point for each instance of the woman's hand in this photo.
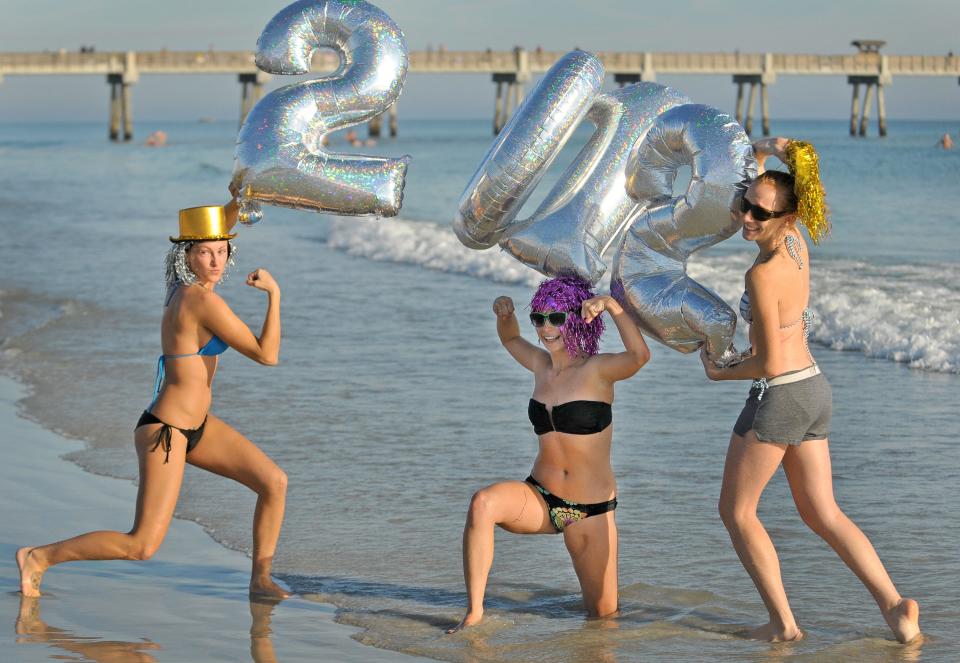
(594, 306)
(711, 369)
(770, 147)
(261, 279)
(503, 307)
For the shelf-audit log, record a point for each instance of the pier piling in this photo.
(498, 107)
(121, 109)
(765, 109)
(767, 77)
(745, 116)
(374, 126)
(881, 111)
(113, 80)
(739, 115)
(869, 58)
(867, 103)
(855, 104)
(251, 90)
(503, 105)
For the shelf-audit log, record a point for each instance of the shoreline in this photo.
(188, 603)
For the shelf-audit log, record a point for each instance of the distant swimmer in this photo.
(157, 139)
(352, 138)
(946, 142)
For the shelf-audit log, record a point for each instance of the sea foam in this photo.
(904, 313)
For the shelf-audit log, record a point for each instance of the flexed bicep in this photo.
(217, 317)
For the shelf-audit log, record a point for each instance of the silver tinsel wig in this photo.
(178, 271)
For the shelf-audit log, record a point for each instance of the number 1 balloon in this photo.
(280, 157)
(526, 147)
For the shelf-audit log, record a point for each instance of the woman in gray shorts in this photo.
(786, 419)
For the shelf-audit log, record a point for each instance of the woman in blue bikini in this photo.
(572, 489)
(177, 428)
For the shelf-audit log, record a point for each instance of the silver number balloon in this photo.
(280, 158)
(649, 272)
(526, 147)
(588, 207)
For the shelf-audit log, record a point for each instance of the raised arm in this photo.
(770, 147)
(232, 210)
(508, 329)
(767, 359)
(620, 365)
(218, 317)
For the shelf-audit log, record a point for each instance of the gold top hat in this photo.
(202, 224)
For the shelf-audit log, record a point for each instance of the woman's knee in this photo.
(735, 514)
(819, 517)
(482, 507)
(273, 483)
(143, 547)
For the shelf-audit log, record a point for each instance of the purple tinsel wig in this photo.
(567, 293)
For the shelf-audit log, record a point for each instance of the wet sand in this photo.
(188, 603)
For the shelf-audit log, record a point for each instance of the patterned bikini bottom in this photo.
(563, 513)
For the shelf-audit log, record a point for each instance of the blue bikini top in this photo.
(572, 417)
(215, 346)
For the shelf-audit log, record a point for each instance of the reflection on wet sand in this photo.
(31, 629)
(261, 646)
(589, 644)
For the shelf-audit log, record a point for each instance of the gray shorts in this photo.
(788, 413)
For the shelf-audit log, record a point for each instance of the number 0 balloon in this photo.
(280, 158)
(649, 272)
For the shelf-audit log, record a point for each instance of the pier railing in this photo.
(512, 69)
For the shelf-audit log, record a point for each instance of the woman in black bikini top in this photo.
(572, 489)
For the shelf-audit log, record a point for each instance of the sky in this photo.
(812, 26)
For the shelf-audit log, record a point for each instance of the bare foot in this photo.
(267, 588)
(30, 573)
(904, 620)
(770, 632)
(471, 619)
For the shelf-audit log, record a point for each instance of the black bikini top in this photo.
(573, 417)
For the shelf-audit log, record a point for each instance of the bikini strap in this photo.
(164, 441)
(159, 379)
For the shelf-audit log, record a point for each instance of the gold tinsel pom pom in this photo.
(812, 209)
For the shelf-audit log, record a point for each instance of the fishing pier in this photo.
(752, 74)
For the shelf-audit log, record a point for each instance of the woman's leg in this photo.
(749, 467)
(160, 479)
(224, 451)
(513, 505)
(807, 467)
(592, 544)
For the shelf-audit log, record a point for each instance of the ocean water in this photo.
(394, 401)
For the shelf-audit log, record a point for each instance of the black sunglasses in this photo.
(759, 213)
(556, 318)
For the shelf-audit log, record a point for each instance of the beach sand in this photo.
(188, 603)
